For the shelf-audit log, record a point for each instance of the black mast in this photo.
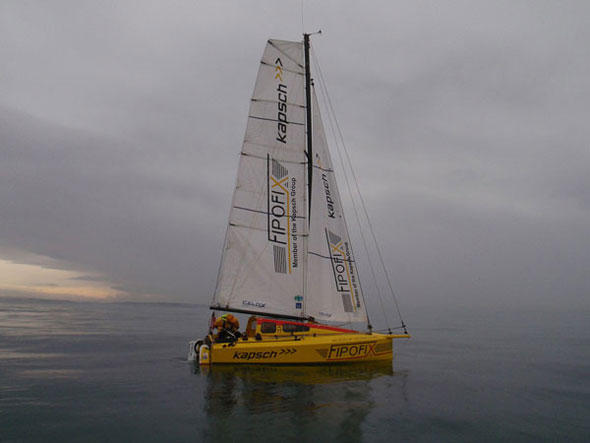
(308, 127)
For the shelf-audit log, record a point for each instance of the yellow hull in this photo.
(307, 349)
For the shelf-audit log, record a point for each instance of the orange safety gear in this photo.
(227, 321)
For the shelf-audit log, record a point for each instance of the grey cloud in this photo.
(120, 129)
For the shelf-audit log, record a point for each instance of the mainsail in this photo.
(262, 262)
(275, 260)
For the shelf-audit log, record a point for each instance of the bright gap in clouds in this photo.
(47, 281)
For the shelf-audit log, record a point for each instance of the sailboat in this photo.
(287, 259)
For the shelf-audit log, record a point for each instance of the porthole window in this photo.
(268, 328)
(288, 327)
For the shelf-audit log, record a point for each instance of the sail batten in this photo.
(282, 159)
(323, 169)
(262, 212)
(276, 120)
(276, 101)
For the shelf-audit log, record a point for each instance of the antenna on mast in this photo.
(302, 23)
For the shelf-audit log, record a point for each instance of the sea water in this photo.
(118, 372)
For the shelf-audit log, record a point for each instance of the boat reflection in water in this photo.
(302, 374)
(291, 402)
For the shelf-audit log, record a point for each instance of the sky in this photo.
(467, 122)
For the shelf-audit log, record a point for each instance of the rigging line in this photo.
(354, 206)
(390, 329)
(364, 207)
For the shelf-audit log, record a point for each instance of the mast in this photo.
(308, 126)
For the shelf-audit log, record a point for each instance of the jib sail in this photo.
(334, 291)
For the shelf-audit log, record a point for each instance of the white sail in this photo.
(333, 291)
(263, 258)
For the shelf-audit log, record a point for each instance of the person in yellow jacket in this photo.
(227, 328)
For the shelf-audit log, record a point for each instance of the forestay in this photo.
(263, 257)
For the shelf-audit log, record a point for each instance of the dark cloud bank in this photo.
(120, 127)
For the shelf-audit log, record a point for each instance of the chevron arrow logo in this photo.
(288, 351)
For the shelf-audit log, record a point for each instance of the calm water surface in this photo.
(118, 372)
